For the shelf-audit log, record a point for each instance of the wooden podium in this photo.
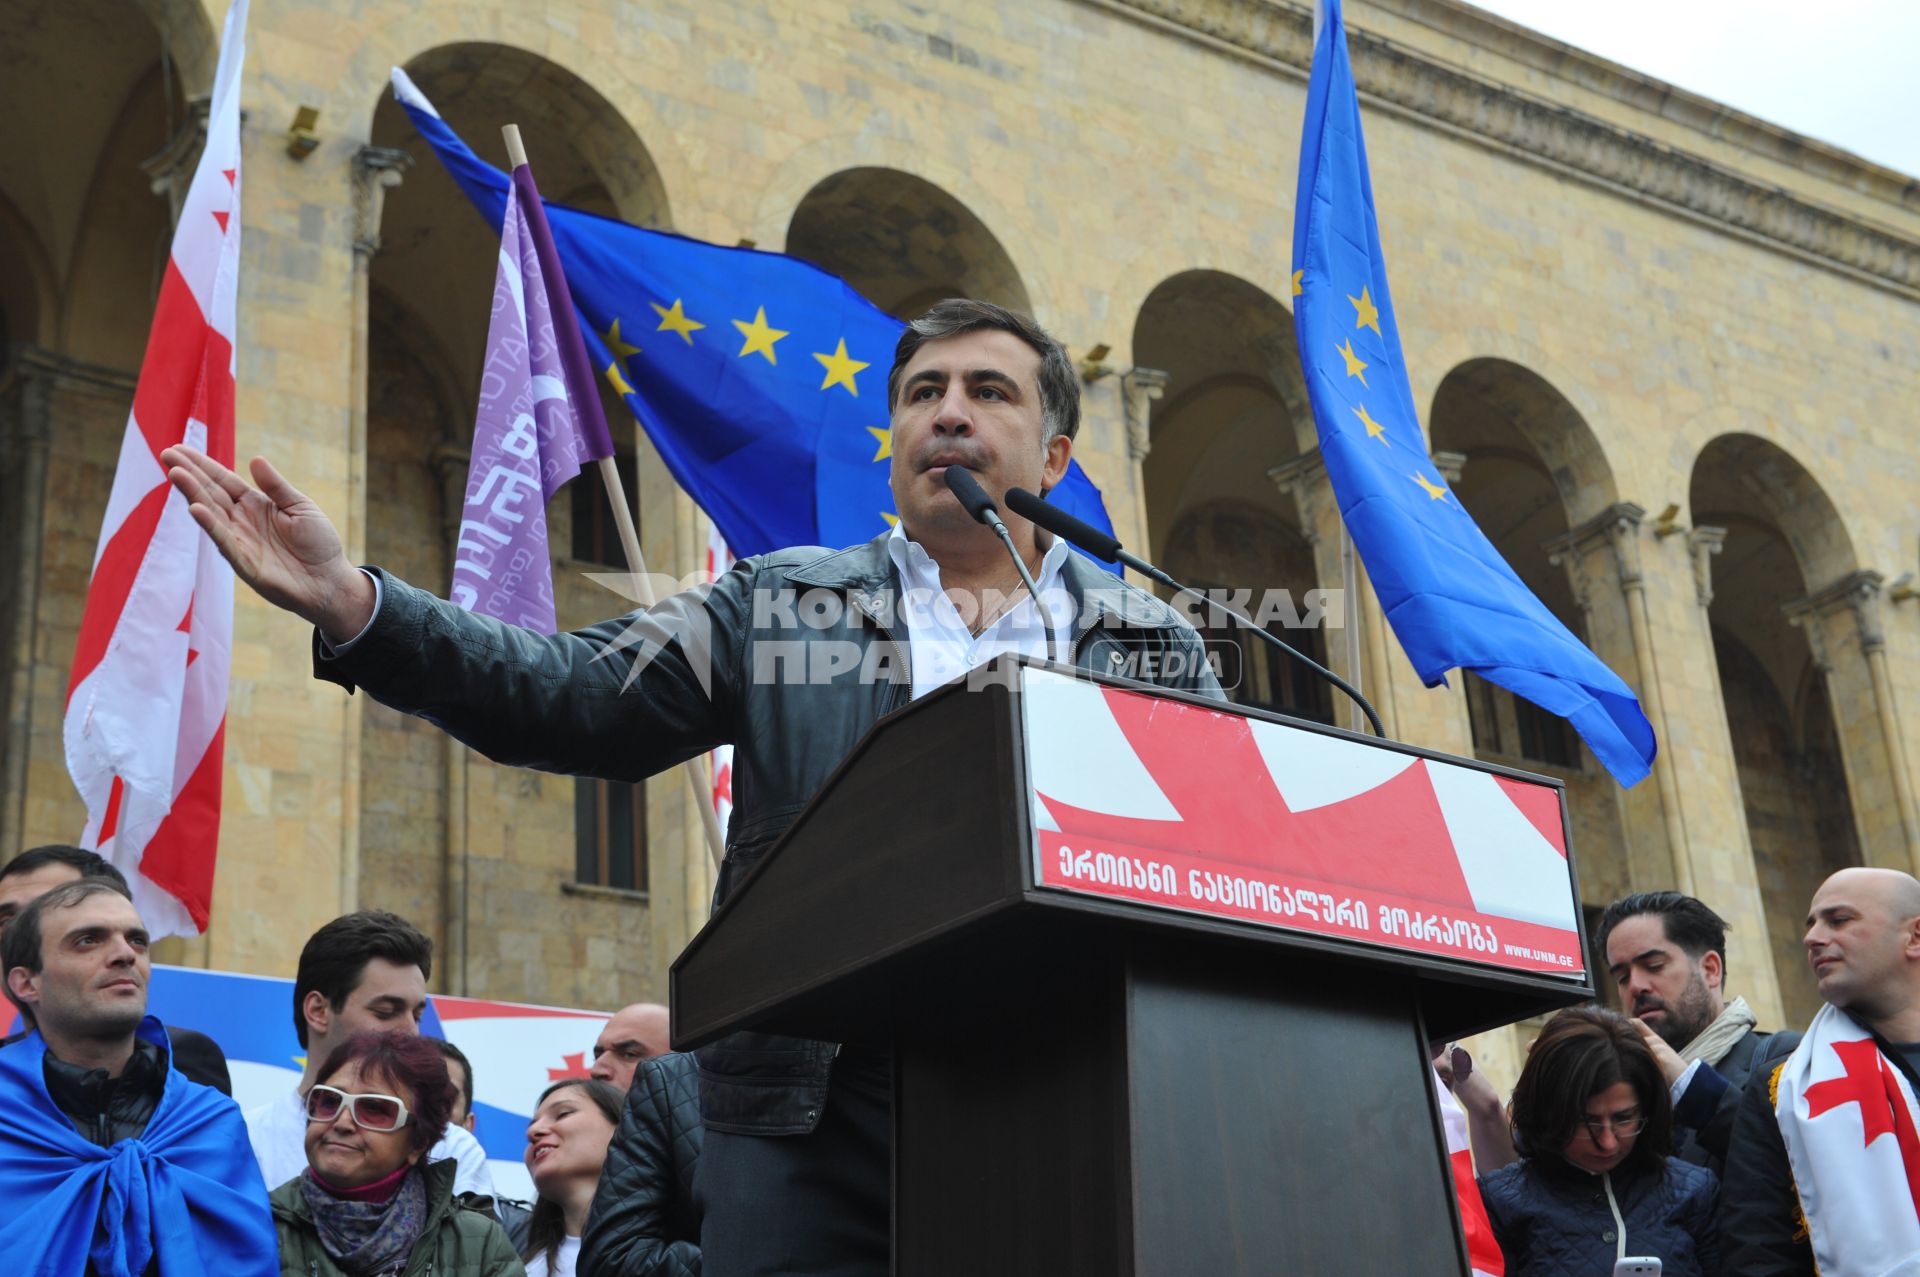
(1178, 1053)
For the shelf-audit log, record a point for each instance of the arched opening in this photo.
(1783, 539)
(1531, 469)
(902, 242)
(507, 835)
(94, 94)
(1233, 409)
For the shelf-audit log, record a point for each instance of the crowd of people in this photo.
(1678, 1131)
(122, 1152)
(1681, 1131)
(1675, 1129)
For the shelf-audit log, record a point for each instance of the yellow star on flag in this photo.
(1356, 367)
(620, 349)
(885, 438)
(1436, 491)
(840, 369)
(674, 320)
(893, 520)
(1374, 429)
(1366, 314)
(1299, 287)
(759, 336)
(619, 382)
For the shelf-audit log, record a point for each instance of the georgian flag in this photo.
(147, 701)
(1483, 1252)
(1852, 1130)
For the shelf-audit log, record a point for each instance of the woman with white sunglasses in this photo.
(369, 1204)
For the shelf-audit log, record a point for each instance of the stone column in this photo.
(1139, 388)
(375, 171)
(1845, 628)
(1643, 595)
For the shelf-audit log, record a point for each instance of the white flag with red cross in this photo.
(147, 700)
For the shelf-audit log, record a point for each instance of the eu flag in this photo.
(760, 379)
(1450, 597)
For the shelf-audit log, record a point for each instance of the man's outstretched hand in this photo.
(279, 542)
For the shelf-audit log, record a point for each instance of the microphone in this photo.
(980, 507)
(1104, 545)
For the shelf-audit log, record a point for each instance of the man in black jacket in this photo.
(32, 874)
(794, 1172)
(1667, 954)
(645, 1220)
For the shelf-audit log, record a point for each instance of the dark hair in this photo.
(1696, 929)
(336, 957)
(1582, 1052)
(89, 864)
(408, 1061)
(20, 947)
(1059, 384)
(548, 1226)
(448, 1051)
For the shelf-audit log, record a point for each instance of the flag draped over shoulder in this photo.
(1450, 597)
(760, 379)
(534, 425)
(1851, 1127)
(147, 697)
(185, 1197)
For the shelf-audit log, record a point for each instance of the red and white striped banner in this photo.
(147, 702)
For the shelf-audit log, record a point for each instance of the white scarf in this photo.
(1850, 1124)
(1719, 1037)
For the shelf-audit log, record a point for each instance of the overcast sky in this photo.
(1843, 71)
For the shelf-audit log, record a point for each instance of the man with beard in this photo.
(1667, 954)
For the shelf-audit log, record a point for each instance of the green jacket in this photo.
(461, 1238)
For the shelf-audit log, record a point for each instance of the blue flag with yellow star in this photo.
(1450, 597)
(760, 379)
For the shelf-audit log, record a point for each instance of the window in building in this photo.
(1258, 674)
(595, 538)
(610, 834)
(1513, 727)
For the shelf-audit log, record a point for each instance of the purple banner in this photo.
(525, 446)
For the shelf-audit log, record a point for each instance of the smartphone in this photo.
(1637, 1266)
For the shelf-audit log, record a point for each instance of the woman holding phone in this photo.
(1594, 1185)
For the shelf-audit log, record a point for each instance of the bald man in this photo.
(1835, 1130)
(635, 1033)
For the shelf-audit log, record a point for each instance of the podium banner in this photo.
(1199, 809)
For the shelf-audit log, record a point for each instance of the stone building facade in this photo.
(1668, 354)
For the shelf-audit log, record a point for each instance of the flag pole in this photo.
(1350, 601)
(699, 779)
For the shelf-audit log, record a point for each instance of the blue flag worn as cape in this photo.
(1450, 597)
(185, 1196)
(761, 379)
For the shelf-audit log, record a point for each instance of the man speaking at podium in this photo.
(794, 1173)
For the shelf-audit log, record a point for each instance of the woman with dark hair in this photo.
(1593, 1124)
(369, 1204)
(566, 1147)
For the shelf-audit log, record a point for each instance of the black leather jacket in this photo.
(790, 658)
(106, 1109)
(645, 1221)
